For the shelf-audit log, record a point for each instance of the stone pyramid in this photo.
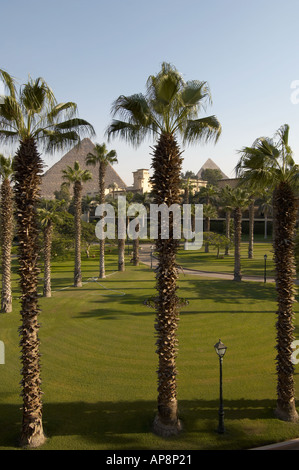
(209, 164)
(52, 179)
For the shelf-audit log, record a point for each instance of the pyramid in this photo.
(52, 179)
(209, 164)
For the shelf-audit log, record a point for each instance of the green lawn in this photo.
(209, 262)
(99, 363)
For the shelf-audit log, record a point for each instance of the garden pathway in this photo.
(145, 257)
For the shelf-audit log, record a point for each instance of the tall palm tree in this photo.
(32, 118)
(266, 208)
(103, 158)
(239, 201)
(269, 163)
(6, 218)
(209, 212)
(77, 177)
(88, 203)
(169, 109)
(48, 217)
(145, 200)
(225, 200)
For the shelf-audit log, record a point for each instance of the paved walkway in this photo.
(146, 258)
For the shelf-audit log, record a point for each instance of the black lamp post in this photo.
(265, 268)
(220, 350)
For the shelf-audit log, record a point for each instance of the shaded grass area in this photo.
(99, 363)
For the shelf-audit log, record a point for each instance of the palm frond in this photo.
(9, 82)
(195, 92)
(68, 109)
(131, 133)
(202, 130)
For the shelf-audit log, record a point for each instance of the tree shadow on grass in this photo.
(227, 291)
(116, 424)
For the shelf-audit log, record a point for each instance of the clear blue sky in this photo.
(91, 51)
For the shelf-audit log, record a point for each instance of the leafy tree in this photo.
(169, 109)
(212, 176)
(32, 118)
(269, 163)
(188, 175)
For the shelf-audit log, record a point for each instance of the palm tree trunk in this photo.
(251, 231)
(78, 212)
(6, 241)
(47, 259)
(207, 230)
(121, 254)
(136, 249)
(227, 230)
(285, 210)
(102, 274)
(102, 172)
(28, 168)
(167, 163)
(237, 235)
(266, 227)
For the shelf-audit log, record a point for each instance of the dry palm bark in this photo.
(28, 169)
(251, 230)
(121, 254)
(102, 171)
(166, 164)
(48, 231)
(78, 213)
(237, 236)
(6, 217)
(227, 230)
(135, 258)
(285, 211)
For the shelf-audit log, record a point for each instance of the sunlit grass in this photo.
(99, 362)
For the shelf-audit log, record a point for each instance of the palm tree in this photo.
(145, 200)
(77, 177)
(32, 118)
(207, 193)
(6, 216)
(209, 212)
(87, 204)
(48, 216)
(239, 202)
(188, 189)
(169, 109)
(103, 158)
(265, 208)
(269, 163)
(225, 196)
